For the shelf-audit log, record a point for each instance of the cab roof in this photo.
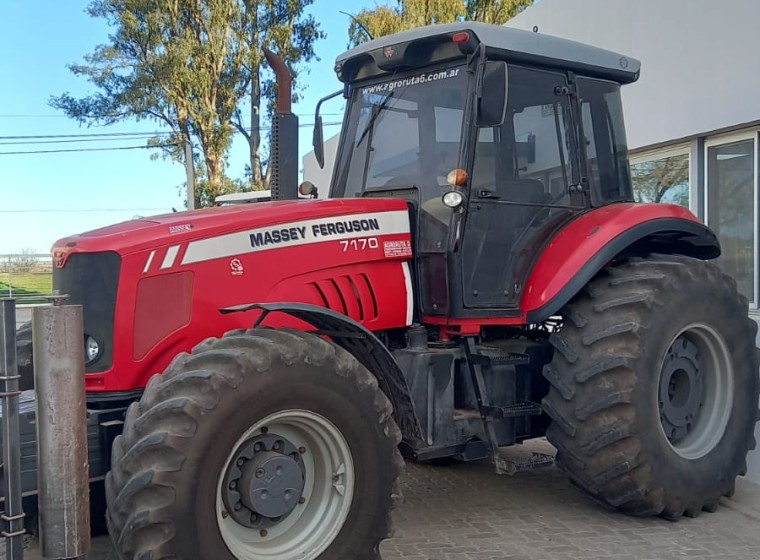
(376, 57)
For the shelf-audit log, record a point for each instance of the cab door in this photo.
(521, 188)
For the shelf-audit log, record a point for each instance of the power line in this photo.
(135, 134)
(31, 116)
(66, 210)
(94, 135)
(58, 151)
(14, 116)
(87, 150)
(77, 141)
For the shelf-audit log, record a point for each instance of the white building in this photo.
(693, 118)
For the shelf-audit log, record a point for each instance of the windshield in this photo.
(404, 133)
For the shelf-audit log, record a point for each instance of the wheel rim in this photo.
(302, 529)
(696, 390)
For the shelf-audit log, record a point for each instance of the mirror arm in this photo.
(317, 138)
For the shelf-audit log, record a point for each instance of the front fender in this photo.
(363, 345)
(585, 245)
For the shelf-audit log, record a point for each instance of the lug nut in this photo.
(264, 430)
(302, 450)
(301, 500)
(233, 485)
(263, 533)
(260, 473)
(238, 507)
(277, 445)
(240, 462)
(225, 514)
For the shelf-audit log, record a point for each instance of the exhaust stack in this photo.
(284, 151)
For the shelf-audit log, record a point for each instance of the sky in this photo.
(47, 196)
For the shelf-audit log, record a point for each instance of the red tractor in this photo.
(478, 276)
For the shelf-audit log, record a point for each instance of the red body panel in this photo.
(360, 273)
(581, 239)
(564, 256)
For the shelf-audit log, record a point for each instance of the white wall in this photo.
(321, 177)
(700, 63)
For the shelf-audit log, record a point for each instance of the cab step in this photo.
(502, 359)
(517, 410)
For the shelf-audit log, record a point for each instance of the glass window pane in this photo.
(604, 140)
(662, 180)
(730, 211)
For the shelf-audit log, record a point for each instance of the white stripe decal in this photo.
(150, 260)
(292, 234)
(171, 254)
(409, 293)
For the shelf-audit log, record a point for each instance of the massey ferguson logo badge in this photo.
(59, 257)
(388, 52)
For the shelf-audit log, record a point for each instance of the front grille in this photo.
(91, 280)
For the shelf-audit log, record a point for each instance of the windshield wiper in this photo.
(376, 109)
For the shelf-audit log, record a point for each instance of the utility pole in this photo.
(190, 175)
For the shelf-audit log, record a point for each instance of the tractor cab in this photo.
(496, 137)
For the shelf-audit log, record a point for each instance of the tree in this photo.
(190, 65)
(662, 180)
(408, 14)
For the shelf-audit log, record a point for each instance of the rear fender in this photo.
(587, 244)
(360, 343)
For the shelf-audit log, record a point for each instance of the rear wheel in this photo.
(265, 445)
(655, 387)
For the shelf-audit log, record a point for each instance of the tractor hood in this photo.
(181, 227)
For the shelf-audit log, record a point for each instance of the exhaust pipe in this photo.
(284, 151)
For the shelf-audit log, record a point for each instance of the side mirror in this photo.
(492, 105)
(317, 140)
(318, 143)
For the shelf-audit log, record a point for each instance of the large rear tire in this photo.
(266, 445)
(654, 387)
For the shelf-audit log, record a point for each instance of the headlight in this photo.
(453, 199)
(91, 349)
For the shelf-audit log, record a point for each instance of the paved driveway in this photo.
(465, 512)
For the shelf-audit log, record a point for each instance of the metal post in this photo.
(63, 467)
(13, 516)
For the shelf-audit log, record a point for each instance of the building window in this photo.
(731, 209)
(661, 178)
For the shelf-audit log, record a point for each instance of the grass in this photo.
(25, 284)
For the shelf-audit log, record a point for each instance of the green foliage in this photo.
(190, 65)
(408, 14)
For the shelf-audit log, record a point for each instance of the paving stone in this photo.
(465, 512)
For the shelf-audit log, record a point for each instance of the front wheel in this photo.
(266, 445)
(654, 387)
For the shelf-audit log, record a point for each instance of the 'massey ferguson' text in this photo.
(316, 232)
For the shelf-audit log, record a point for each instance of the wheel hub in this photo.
(682, 389)
(264, 482)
